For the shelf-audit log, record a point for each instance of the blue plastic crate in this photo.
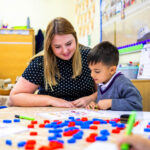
(130, 72)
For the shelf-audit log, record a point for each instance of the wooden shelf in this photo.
(16, 51)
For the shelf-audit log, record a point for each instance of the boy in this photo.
(115, 91)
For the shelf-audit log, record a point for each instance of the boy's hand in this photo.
(105, 104)
(92, 105)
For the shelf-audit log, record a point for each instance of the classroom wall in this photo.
(125, 31)
(15, 12)
(95, 36)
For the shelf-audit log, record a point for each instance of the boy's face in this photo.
(101, 73)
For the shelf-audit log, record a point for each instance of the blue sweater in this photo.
(124, 95)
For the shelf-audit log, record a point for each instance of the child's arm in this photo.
(137, 142)
(129, 97)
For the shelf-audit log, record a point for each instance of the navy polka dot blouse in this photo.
(67, 88)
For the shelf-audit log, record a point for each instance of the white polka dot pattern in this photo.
(67, 88)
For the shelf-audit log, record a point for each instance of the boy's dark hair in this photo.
(104, 52)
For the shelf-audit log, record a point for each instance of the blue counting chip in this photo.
(66, 122)
(114, 124)
(121, 125)
(7, 121)
(72, 140)
(111, 122)
(8, 142)
(81, 132)
(16, 120)
(78, 122)
(103, 122)
(49, 126)
(59, 130)
(95, 119)
(104, 132)
(50, 138)
(77, 136)
(85, 126)
(70, 129)
(71, 118)
(89, 122)
(1, 107)
(21, 144)
(146, 129)
(101, 138)
(58, 135)
(55, 131)
(56, 126)
(62, 125)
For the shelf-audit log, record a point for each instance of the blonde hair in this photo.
(58, 26)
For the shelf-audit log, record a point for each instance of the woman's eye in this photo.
(57, 46)
(97, 71)
(68, 44)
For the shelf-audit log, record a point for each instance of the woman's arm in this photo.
(23, 95)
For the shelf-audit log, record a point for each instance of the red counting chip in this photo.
(90, 139)
(31, 142)
(94, 127)
(34, 122)
(116, 131)
(29, 147)
(33, 133)
(30, 126)
(46, 121)
(96, 122)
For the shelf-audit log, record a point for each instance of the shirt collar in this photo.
(104, 86)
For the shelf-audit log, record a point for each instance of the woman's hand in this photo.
(137, 142)
(82, 102)
(62, 103)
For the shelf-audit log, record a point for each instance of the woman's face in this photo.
(64, 46)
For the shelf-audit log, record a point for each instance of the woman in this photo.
(61, 76)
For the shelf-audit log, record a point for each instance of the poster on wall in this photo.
(144, 67)
(111, 8)
(85, 12)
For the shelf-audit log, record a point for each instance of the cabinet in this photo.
(16, 49)
(144, 87)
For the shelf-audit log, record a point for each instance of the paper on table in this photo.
(102, 145)
(117, 114)
(77, 113)
(112, 114)
(10, 129)
(86, 113)
(140, 128)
